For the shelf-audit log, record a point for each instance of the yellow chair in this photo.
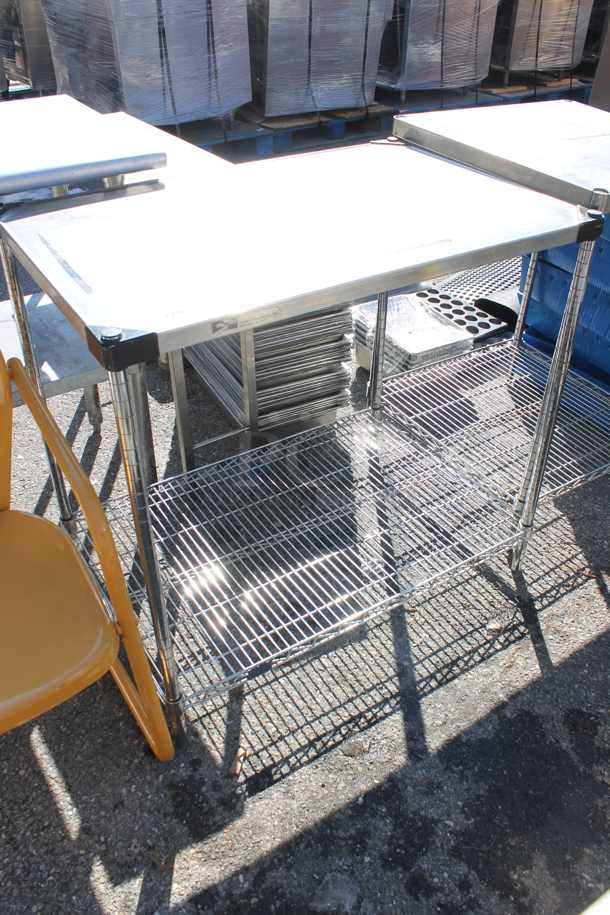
(56, 632)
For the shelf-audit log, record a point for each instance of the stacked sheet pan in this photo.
(24, 46)
(415, 334)
(436, 322)
(311, 55)
(299, 369)
(540, 34)
(437, 44)
(164, 61)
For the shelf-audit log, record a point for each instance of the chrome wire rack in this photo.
(481, 411)
(267, 553)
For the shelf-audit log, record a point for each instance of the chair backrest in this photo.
(99, 529)
(143, 699)
(6, 429)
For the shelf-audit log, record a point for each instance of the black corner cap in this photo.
(117, 349)
(593, 227)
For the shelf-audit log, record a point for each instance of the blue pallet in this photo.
(547, 305)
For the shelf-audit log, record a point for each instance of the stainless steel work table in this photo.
(257, 557)
(50, 143)
(56, 141)
(560, 148)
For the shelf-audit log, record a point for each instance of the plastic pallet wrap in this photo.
(598, 27)
(437, 44)
(540, 34)
(164, 61)
(313, 55)
(24, 45)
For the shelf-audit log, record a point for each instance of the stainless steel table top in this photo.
(265, 241)
(559, 148)
(57, 140)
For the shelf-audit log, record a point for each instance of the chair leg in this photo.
(146, 710)
(92, 403)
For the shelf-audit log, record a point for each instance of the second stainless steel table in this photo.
(563, 149)
(50, 143)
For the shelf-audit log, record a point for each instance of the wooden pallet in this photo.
(433, 99)
(490, 92)
(528, 87)
(326, 125)
(266, 136)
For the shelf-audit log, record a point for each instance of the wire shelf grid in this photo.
(266, 554)
(481, 411)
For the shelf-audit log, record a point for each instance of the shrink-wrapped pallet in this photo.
(24, 46)
(541, 34)
(437, 44)
(164, 61)
(313, 55)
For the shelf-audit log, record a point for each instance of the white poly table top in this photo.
(560, 148)
(57, 140)
(271, 240)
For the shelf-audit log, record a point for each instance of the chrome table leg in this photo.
(137, 380)
(527, 294)
(248, 370)
(526, 502)
(94, 409)
(375, 385)
(183, 423)
(125, 411)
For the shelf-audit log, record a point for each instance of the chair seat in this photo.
(51, 614)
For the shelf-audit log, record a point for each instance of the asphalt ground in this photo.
(452, 756)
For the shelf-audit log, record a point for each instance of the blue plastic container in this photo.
(565, 256)
(544, 315)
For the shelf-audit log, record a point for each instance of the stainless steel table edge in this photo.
(283, 309)
(491, 164)
(177, 338)
(54, 205)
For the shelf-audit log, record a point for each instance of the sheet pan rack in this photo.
(297, 370)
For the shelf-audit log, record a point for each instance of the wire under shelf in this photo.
(266, 554)
(481, 410)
